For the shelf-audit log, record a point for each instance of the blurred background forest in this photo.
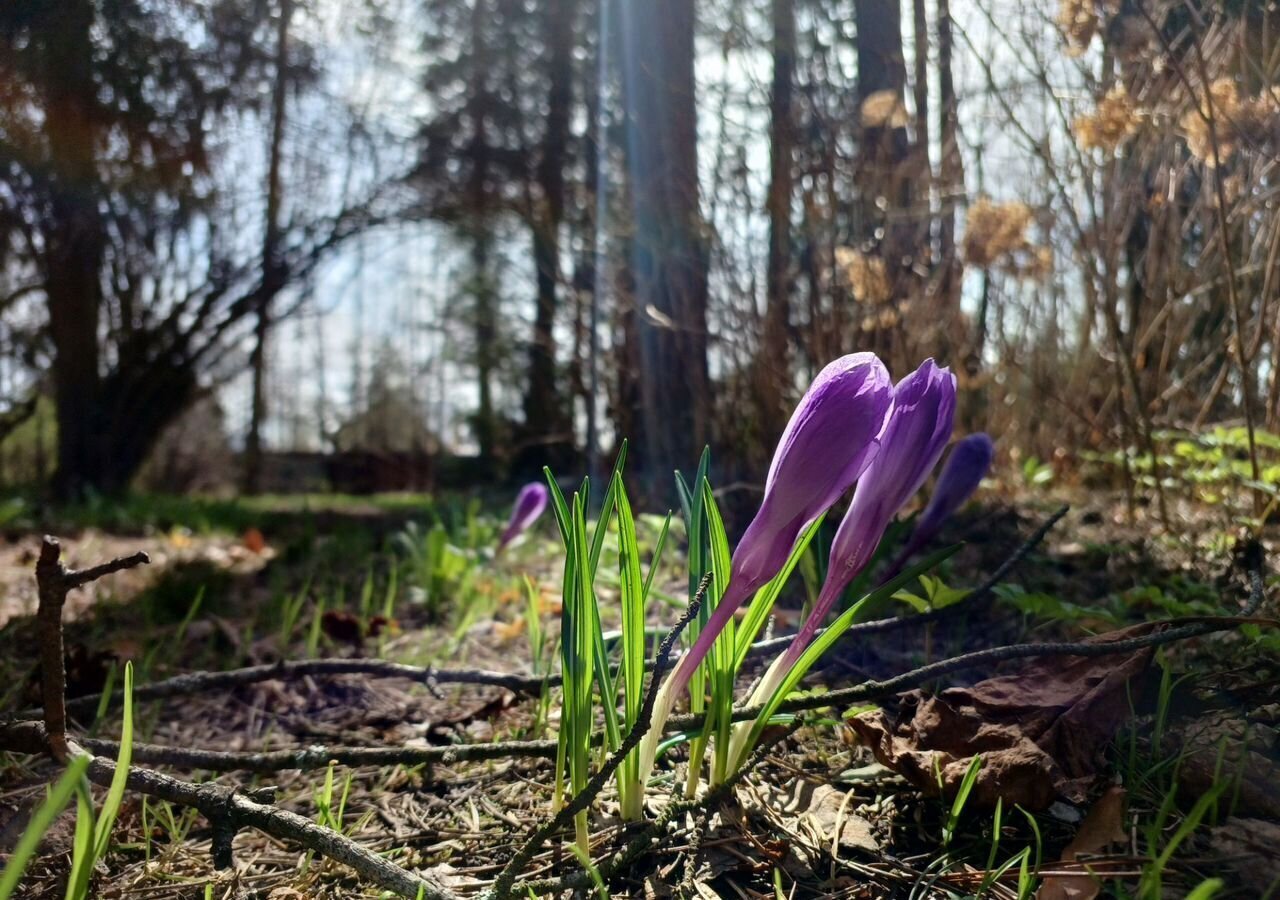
(281, 245)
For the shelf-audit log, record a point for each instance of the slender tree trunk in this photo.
(485, 314)
(773, 364)
(923, 174)
(545, 420)
(272, 279)
(950, 170)
(884, 174)
(669, 249)
(74, 250)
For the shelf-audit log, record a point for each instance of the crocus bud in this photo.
(968, 464)
(919, 426)
(829, 442)
(530, 503)
(915, 433)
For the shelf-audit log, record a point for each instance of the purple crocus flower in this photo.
(968, 464)
(829, 442)
(915, 434)
(919, 426)
(530, 503)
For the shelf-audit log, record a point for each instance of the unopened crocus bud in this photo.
(829, 442)
(915, 434)
(530, 503)
(968, 464)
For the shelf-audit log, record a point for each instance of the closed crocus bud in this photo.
(968, 464)
(915, 433)
(829, 442)
(530, 503)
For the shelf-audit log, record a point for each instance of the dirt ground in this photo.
(821, 816)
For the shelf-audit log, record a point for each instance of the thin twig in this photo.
(53, 582)
(229, 810)
(207, 682)
(502, 884)
(1163, 632)
(320, 756)
(976, 597)
(226, 809)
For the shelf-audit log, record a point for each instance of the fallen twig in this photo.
(1164, 632)
(319, 756)
(53, 582)
(227, 809)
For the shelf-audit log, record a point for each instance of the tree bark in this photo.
(74, 251)
(485, 319)
(669, 250)
(952, 175)
(545, 421)
(773, 364)
(882, 226)
(272, 279)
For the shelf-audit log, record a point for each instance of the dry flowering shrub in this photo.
(865, 275)
(1236, 121)
(1079, 21)
(1113, 122)
(884, 109)
(995, 236)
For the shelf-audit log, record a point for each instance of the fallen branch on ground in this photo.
(227, 809)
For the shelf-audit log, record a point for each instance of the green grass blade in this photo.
(823, 641)
(115, 793)
(40, 823)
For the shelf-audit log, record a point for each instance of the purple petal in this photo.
(968, 464)
(828, 443)
(530, 503)
(917, 431)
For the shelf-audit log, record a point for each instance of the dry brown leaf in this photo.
(1102, 827)
(253, 541)
(1041, 732)
(1248, 846)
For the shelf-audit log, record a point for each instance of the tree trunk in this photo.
(485, 315)
(272, 279)
(669, 250)
(773, 364)
(923, 174)
(951, 187)
(74, 250)
(882, 221)
(546, 425)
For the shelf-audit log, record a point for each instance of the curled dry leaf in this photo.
(1041, 731)
(1102, 827)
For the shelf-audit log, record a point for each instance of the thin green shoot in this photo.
(584, 859)
(41, 821)
(749, 734)
(962, 796)
(93, 831)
